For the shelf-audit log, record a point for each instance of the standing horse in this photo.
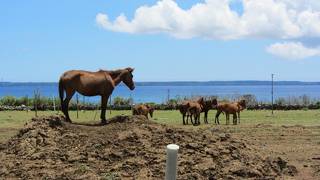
(207, 105)
(241, 106)
(92, 84)
(230, 108)
(195, 108)
(184, 109)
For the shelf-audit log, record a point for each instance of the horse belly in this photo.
(90, 86)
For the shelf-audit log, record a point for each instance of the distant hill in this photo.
(182, 83)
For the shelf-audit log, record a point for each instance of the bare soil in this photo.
(132, 147)
(298, 144)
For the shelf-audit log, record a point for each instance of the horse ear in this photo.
(130, 69)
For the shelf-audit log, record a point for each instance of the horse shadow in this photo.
(116, 119)
(90, 124)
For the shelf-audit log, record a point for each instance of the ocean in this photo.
(160, 93)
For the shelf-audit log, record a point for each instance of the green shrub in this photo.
(120, 101)
(8, 101)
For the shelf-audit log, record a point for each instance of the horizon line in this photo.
(181, 81)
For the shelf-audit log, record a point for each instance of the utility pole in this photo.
(272, 75)
(168, 96)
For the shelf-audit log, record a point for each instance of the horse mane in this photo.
(112, 73)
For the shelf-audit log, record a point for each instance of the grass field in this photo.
(10, 121)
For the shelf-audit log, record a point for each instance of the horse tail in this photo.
(61, 91)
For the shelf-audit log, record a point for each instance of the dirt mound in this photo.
(129, 147)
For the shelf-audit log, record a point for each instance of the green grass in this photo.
(11, 121)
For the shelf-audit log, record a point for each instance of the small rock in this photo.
(192, 146)
(234, 156)
(224, 136)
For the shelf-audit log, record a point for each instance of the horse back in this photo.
(228, 107)
(88, 83)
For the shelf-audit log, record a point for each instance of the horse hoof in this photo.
(103, 122)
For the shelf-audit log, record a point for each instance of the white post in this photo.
(172, 156)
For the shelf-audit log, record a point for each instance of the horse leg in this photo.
(190, 115)
(187, 121)
(194, 118)
(235, 119)
(206, 117)
(216, 120)
(227, 118)
(69, 94)
(239, 116)
(104, 101)
(183, 116)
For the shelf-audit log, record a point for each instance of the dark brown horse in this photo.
(207, 105)
(87, 83)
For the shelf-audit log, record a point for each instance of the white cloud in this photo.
(292, 50)
(214, 19)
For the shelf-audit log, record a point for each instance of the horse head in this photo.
(242, 103)
(151, 109)
(201, 100)
(128, 78)
(214, 103)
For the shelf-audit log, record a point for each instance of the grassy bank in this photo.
(11, 121)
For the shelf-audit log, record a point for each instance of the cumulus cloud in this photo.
(215, 19)
(292, 50)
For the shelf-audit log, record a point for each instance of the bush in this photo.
(250, 99)
(119, 101)
(8, 101)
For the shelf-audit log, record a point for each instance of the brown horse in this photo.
(207, 105)
(92, 84)
(142, 109)
(184, 109)
(241, 106)
(195, 108)
(230, 108)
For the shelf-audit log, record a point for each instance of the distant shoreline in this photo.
(185, 83)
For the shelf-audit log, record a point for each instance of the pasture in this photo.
(11, 121)
(294, 135)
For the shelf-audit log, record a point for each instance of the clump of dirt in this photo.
(130, 147)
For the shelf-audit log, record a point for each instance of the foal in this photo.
(142, 109)
(230, 108)
(184, 109)
(194, 109)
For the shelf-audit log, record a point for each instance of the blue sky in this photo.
(39, 40)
